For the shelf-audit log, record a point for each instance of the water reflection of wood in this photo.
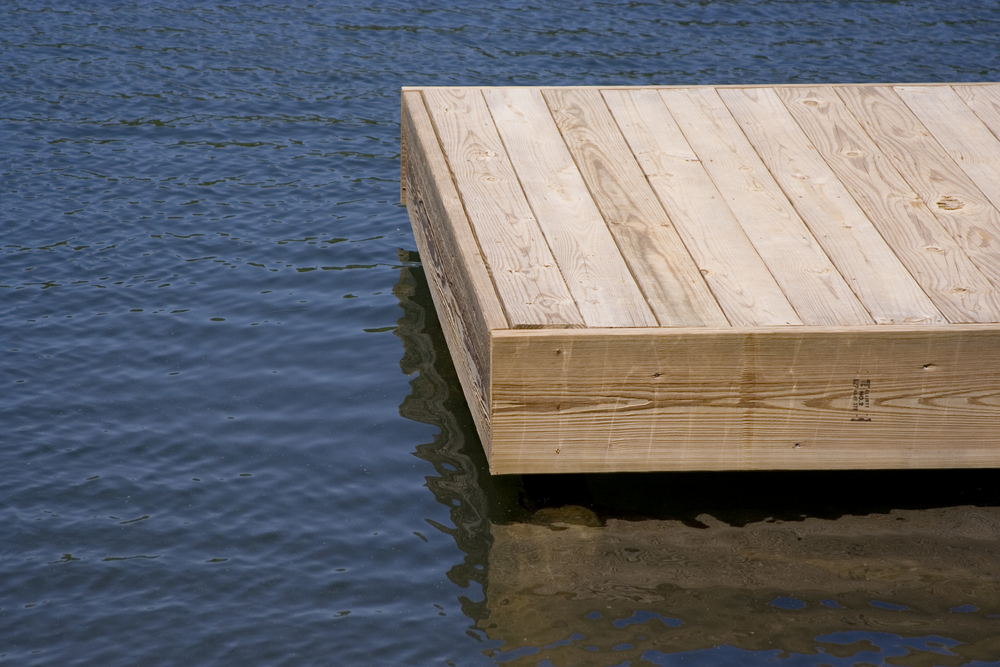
(460, 481)
(697, 588)
(684, 581)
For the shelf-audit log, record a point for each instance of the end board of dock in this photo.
(715, 277)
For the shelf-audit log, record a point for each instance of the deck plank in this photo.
(934, 259)
(967, 139)
(468, 306)
(739, 279)
(984, 100)
(530, 285)
(598, 278)
(810, 281)
(856, 248)
(940, 183)
(664, 270)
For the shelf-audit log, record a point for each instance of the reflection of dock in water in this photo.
(461, 483)
(668, 587)
(902, 567)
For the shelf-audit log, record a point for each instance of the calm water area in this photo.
(230, 433)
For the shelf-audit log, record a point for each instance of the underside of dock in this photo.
(716, 277)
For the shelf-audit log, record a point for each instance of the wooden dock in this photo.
(716, 278)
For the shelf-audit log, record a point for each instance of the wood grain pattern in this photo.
(597, 276)
(934, 259)
(737, 276)
(856, 248)
(809, 280)
(984, 100)
(766, 398)
(941, 184)
(666, 274)
(968, 141)
(530, 285)
(467, 305)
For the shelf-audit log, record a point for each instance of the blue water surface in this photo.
(204, 460)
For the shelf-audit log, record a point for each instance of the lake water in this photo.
(230, 433)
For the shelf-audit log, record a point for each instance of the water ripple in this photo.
(204, 459)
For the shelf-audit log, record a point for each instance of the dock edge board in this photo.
(620, 400)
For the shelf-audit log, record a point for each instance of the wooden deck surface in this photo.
(716, 277)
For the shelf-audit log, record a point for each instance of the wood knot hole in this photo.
(947, 203)
(656, 375)
(797, 445)
(929, 367)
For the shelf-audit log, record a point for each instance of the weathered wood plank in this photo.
(933, 258)
(809, 280)
(856, 248)
(941, 184)
(766, 398)
(984, 100)
(969, 142)
(530, 285)
(673, 286)
(467, 305)
(598, 278)
(737, 276)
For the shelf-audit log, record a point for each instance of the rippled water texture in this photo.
(209, 453)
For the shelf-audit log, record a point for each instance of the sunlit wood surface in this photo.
(716, 278)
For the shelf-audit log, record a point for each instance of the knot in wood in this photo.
(948, 203)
